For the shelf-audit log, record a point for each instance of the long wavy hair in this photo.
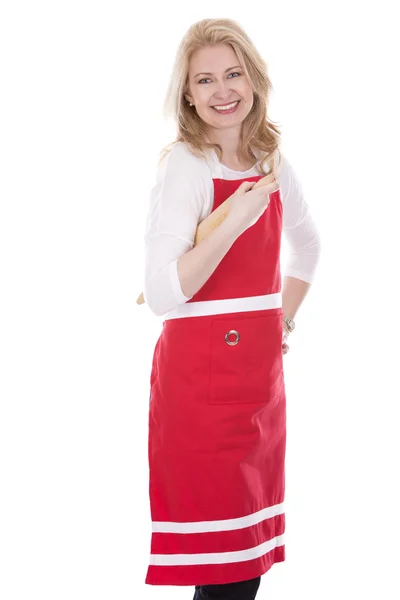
(258, 131)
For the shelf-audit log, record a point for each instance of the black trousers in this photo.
(241, 590)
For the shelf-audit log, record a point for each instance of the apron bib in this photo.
(217, 418)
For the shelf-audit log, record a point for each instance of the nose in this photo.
(223, 90)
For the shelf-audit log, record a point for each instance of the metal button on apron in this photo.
(232, 342)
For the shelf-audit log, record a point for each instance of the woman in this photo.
(217, 415)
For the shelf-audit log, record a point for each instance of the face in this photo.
(216, 79)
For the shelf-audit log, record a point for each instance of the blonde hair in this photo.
(258, 131)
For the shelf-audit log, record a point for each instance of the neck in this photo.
(228, 139)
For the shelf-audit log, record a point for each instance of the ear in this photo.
(189, 98)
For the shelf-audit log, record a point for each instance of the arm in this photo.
(204, 229)
(178, 279)
(196, 266)
(293, 293)
(303, 237)
(180, 200)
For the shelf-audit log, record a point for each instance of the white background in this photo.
(81, 128)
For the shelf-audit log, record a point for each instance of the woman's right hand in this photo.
(246, 205)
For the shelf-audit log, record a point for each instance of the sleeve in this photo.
(179, 200)
(298, 227)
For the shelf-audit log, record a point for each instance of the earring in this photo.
(190, 104)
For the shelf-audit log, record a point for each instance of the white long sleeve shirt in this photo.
(183, 196)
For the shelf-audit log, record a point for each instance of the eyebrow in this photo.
(230, 69)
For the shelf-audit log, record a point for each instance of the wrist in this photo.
(233, 226)
(288, 324)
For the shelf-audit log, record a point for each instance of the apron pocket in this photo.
(246, 358)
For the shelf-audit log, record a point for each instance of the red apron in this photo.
(217, 418)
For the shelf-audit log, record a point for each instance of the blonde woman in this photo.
(217, 414)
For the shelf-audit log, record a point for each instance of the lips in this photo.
(227, 104)
(226, 111)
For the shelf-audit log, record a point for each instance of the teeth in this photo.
(227, 107)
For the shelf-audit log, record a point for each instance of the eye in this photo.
(234, 73)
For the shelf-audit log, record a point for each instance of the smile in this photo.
(228, 108)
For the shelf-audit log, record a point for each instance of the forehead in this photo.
(213, 59)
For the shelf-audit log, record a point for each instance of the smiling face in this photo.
(216, 79)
